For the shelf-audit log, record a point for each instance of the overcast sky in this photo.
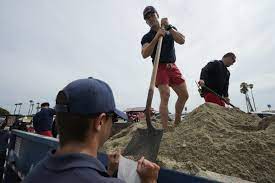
(46, 44)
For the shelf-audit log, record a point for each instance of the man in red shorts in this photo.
(215, 76)
(43, 120)
(168, 74)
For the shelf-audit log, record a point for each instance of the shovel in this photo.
(145, 142)
(210, 90)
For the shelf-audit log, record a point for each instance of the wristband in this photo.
(168, 27)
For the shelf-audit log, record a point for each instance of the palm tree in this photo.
(244, 90)
(251, 86)
(243, 87)
(269, 107)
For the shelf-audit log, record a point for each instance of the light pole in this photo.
(30, 107)
(15, 108)
(37, 108)
(20, 104)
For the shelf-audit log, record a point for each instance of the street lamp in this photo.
(20, 104)
(32, 104)
(30, 107)
(15, 108)
(37, 108)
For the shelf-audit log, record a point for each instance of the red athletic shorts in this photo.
(169, 74)
(210, 97)
(46, 133)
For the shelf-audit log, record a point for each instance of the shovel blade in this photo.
(144, 143)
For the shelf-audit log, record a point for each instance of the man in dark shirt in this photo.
(215, 76)
(85, 114)
(168, 75)
(43, 120)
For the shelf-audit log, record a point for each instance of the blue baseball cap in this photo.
(149, 9)
(88, 97)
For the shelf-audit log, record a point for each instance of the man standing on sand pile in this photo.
(168, 74)
(215, 76)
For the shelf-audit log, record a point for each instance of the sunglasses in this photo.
(148, 15)
(113, 116)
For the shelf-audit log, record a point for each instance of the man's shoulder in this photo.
(36, 115)
(148, 37)
(47, 111)
(149, 33)
(51, 110)
(212, 63)
(73, 167)
(77, 174)
(35, 173)
(215, 61)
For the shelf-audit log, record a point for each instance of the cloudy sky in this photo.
(46, 44)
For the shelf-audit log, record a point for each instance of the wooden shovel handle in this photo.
(152, 86)
(156, 63)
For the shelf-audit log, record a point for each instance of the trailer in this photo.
(21, 151)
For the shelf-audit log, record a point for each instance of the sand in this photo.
(213, 138)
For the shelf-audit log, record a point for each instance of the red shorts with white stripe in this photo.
(169, 74)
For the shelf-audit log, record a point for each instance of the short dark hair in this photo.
(71, 127)
(45, 104)
(229, 54)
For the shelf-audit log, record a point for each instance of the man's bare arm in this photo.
(178, 37)
(148, 48)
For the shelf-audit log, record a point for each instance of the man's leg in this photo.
(181, 91)
(164, 91)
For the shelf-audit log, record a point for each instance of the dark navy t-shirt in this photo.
(43, 120)
(216, 77)
(167, 54)
(73, 167)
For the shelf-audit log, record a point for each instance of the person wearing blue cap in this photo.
(85, 113)
(168, 74)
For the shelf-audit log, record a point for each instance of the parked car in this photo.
(263, 114)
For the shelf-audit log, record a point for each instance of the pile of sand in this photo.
(213, 138)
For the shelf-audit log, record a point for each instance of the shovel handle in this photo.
(156, 64)
(210, 90)
(152, 86)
